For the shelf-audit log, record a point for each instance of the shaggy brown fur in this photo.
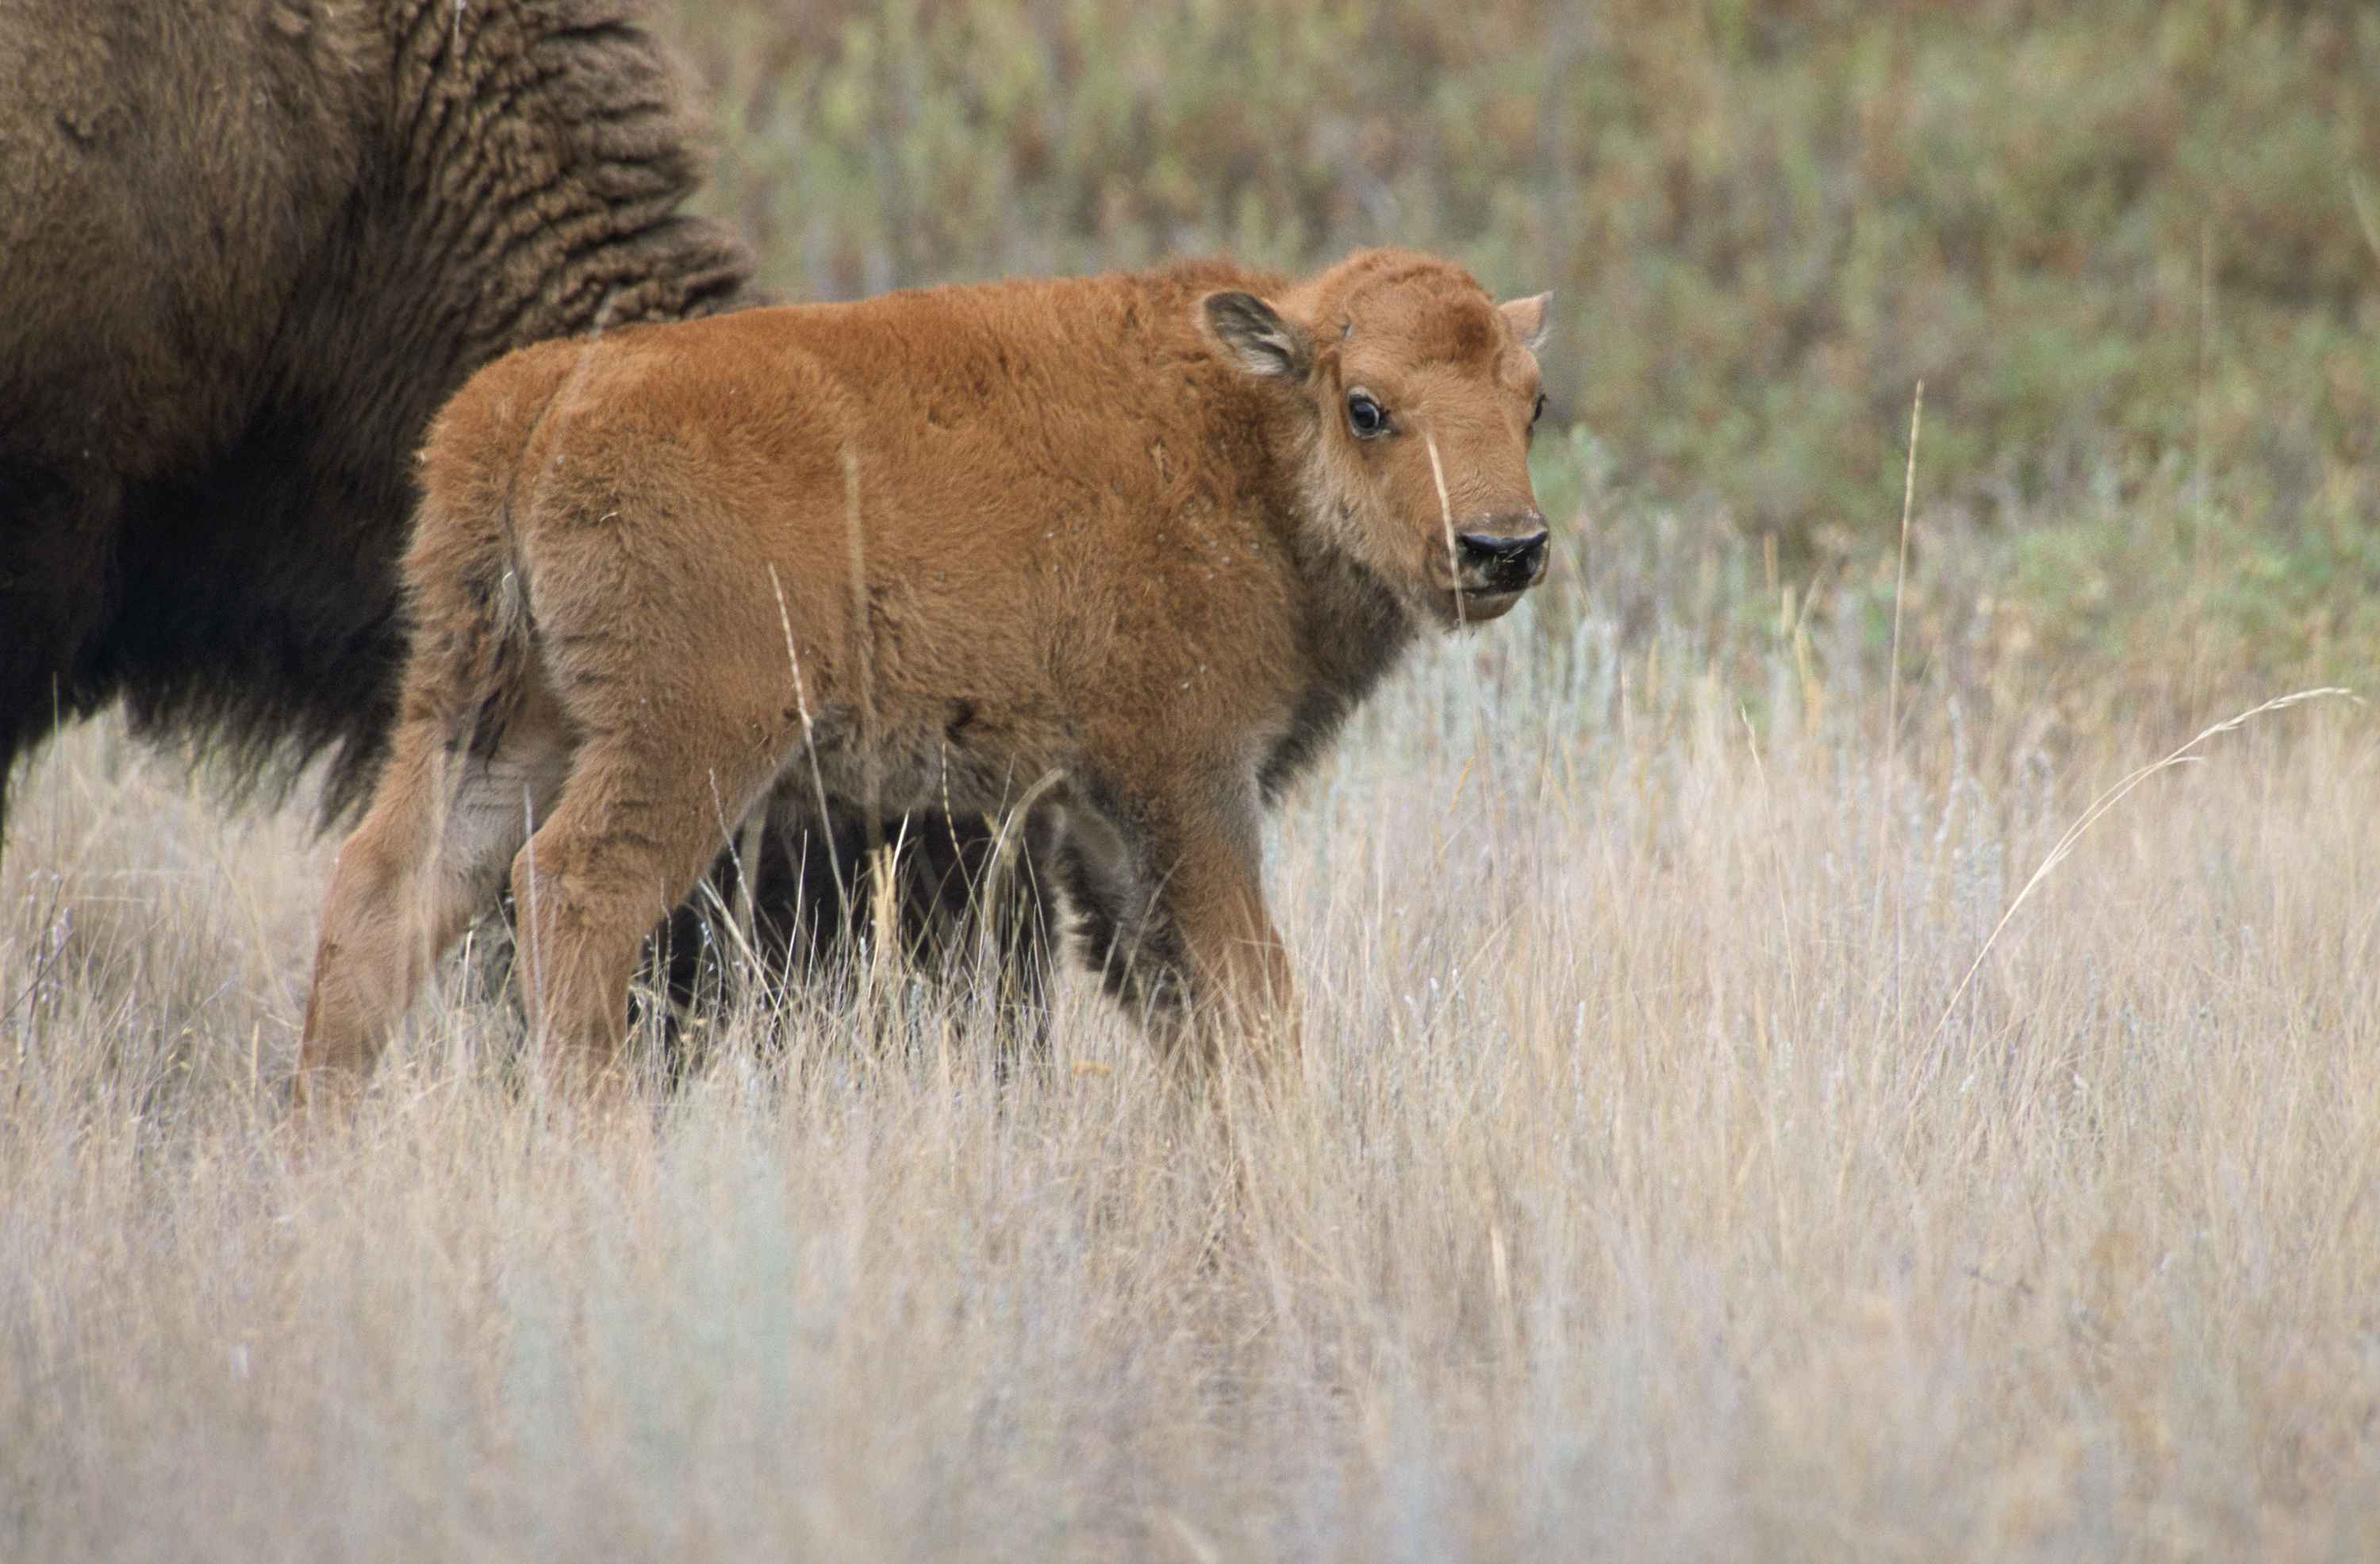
(251, 246)
(1152, 536)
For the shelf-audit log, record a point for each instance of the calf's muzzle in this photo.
(1505, 554)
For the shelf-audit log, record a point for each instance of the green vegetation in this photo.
(2132, 248)
(1714, 1138)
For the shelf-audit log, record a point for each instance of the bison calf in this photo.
(1135, 544)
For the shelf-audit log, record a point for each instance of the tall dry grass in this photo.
(1640, 1203)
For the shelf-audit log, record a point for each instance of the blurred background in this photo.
(2132, 248)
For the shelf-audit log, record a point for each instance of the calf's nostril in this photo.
(1485, 548)
(1505, 559)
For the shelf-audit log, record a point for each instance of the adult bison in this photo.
(248, 248)
(1150, 537)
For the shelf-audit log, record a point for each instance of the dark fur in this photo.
(252, 248)
(813, 892)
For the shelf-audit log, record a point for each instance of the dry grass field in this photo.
(1645, 1196)
(1692, 1158)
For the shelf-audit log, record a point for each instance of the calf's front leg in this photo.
(1214, 931)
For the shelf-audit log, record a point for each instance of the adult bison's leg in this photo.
(801, 915)
(804, 899)
(978, 908)
(977, 904)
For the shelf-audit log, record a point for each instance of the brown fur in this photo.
(252, 247)
(938, 546)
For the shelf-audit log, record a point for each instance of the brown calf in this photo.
(1139, 542)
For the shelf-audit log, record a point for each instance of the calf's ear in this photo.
(1529, 319)
(1255, 336)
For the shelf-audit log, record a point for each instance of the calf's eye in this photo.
(1538, 411)
(1365, 416)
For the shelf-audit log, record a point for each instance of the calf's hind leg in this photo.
(426, 860)
(635, 825)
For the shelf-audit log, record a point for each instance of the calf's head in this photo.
(1419, 394)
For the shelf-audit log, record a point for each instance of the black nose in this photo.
(1504, 563)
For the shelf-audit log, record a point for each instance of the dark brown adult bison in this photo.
(247, 248)
(1151, 537)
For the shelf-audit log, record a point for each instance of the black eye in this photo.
(1538, 411)
(1367, 417)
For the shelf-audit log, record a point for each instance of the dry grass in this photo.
(1641, 1203)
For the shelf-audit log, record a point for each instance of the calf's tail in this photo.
(468, 585)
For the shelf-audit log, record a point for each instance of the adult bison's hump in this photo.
(248, 248)
(165, 172)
